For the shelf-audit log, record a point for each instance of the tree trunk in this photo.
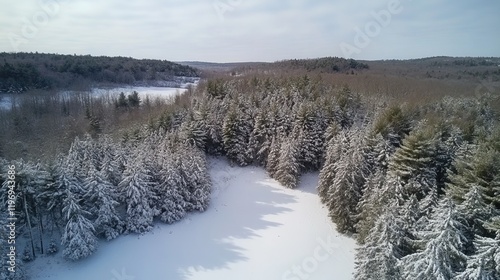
(29, 224)
(40, 229)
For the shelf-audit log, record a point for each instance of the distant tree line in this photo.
(324, 64)
(20, 72)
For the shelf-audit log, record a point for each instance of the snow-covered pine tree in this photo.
(461, 174)
(484, 264)
(327, 173)
(110, 163)
(416, 157)
(347, 188)
(288, 169)
(273, 157)
(236, 133)
(30, 179)
(169, 203)
(378, 257)
(135, 189)
(195, 179)
(393, 124)
(78, 237)
(479, 167)
(101, 200)
(309, 129)
(475, 210)
(369, 206)
(442, 256)
(195, 129)
(260, 139)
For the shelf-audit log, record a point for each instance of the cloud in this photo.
(258, 30)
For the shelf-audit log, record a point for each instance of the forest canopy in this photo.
(20, 72)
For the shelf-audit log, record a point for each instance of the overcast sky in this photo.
(252, 30)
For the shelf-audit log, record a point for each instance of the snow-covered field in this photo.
(151, 92)
(254, 229)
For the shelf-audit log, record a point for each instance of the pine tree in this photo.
(378, 257)
(260, 138)
(273, 157)
(236, 133)
(78, 236)
(460, 175)
(485, 263)
(195, 181)
(101, 198)
(369, 207)
(110, 162)
(288, 169)
(475, 167)
(414, 159)
(170, 205)
(475, 210)
(7, 261)
(309, 129)
(442, 256)
(347, 188)
(327, 173)
(135, 188)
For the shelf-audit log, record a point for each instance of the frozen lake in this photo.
(6, 100)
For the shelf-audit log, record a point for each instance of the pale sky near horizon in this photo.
(252, 30)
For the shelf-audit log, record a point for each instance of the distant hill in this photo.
(324, 64)
(25, 71)
(440, 67)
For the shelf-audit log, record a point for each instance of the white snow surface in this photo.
(151, 92)
(254, 229)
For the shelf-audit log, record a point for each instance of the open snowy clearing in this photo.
(254, 229)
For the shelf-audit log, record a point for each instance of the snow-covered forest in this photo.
(417, 185)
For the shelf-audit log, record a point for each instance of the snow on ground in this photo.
(151, 92)
(254, 229)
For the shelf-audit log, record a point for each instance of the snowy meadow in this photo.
(249, 231)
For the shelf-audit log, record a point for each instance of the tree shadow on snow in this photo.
(201, 241)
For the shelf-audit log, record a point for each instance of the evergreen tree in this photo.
(327, 173)
(347, 188)
(170, 205)
(78, 236)
(442, 256)
(485, 263)
(415, 158)
(288, 169)
(260, 138)
(135, 188)
(476, 167)
(195, 181)
(369, 206)
(378, 257)
(101, 198)
(475, 210)
(273, 157)
(236, 133)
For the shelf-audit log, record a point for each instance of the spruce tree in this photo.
(484, 264)
(288, 169)
(135, 188)
(101, 199)
(378, 257)
(442, 256)
(78, 236)
(273, 157)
